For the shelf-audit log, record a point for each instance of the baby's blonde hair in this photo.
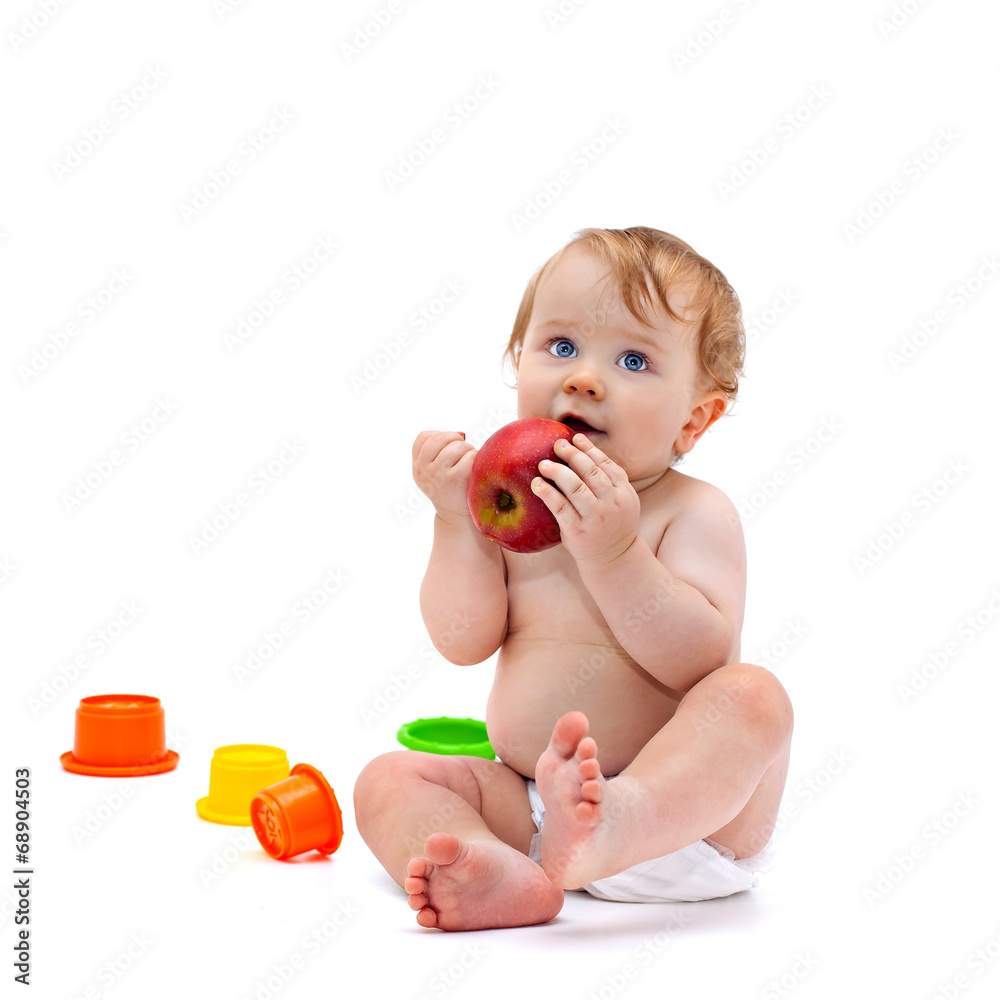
(640, 257)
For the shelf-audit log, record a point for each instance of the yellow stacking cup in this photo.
(238, 772)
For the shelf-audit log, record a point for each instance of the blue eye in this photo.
(634, 361)
(562, 348)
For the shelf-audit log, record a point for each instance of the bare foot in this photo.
(466, 885)
(586, 818)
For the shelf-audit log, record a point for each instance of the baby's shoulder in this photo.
(685, 503)
(678, 493)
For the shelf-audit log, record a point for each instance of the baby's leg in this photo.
(716, 769)
(454, 832)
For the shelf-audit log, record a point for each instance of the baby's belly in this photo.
(538, 679)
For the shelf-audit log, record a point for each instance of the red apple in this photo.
(501, 502)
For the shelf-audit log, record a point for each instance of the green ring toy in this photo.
(447, 735)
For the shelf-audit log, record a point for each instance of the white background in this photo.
(123, 865)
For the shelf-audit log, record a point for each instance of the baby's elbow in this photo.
(471, 633)
(720, 639)
(461, 659)
(466, 649)
(713, 653)
(725, 646)
(466, 656)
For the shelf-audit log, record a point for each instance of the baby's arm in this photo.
(463, 598)
(677, 612)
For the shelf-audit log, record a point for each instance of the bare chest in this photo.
(546, 598)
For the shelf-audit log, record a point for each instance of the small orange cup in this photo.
(297, 815)
(119, 735)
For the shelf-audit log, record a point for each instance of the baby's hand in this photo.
(597, 510)
(442, 463)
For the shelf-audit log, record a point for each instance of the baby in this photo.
(638, 758)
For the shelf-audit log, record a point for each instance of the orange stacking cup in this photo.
(297, 815)
(119, 735)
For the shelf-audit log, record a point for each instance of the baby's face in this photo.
(634, 385)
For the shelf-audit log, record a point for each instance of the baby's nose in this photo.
(584, 380)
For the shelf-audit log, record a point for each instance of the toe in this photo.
(414, 884)
(427, 917)
(587, 750)
(443, 848)
(417, 867)
(568, 731)
(417, 900)
(589, 769)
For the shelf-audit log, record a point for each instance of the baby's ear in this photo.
(704, 414)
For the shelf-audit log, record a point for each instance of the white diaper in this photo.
(703, 870)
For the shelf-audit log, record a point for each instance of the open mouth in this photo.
(578, 425)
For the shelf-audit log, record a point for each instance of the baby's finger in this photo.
(452, 453)
(429, 444)
(560, 508)
(614, 472)
(421, 439)
(576, 491)
(584, 465)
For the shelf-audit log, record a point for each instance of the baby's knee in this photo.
(766, 697)
(379, 776)
(756, 693)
